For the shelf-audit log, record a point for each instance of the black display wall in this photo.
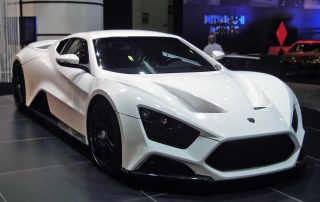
(177, 17)
(117, 14)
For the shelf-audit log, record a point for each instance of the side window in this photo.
(61, 45)
(78, 47)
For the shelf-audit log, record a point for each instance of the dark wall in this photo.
(5, 88)
(177, 17)
(117, 14)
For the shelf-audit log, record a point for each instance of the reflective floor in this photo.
(41, 163)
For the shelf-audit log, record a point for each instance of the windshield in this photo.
(308, 47)
(148, 55)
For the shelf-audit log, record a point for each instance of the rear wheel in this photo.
(19, 92)
(104, 136)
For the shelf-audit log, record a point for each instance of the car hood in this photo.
(218, 103)
(211, 92)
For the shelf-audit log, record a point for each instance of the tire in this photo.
(18, 84)
(104, 136)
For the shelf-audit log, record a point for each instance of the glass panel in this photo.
(9, 37)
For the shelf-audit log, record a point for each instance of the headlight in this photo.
(166, 130)
(294, 119)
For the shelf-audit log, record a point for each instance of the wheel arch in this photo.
(116, 157)
(19, 93)
(17, 62)
(99, 94)
(17, 59)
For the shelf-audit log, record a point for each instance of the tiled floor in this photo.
(41, 163)
(308, 94)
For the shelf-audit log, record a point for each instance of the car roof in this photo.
(308, 41)
(121, 33)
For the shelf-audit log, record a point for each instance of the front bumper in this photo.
(137, 149)
(194, 178)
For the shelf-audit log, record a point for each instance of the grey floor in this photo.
(308, 94)
(41, 163)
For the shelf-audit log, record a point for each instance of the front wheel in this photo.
(104, 136)
(18, 84)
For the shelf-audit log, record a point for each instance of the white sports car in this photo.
(151, 103)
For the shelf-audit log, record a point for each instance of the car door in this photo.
(74, 84)
(76, 72)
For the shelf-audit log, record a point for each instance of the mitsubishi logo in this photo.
(251, 120)
(281, 34)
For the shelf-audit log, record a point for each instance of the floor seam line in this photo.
(135, 199)
(12, 103)
(312, 128)
(144, 197)
(150, 197)
(157, 195)
(284, 194)
(43, 168)
(28, 139)
(313, 158)
(6, 96)
(2, 122)
(2, 197)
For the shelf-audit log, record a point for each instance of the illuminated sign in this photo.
(312, 4)
(224, 24)
(281, 34)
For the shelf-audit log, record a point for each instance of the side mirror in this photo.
(68, 59)
(217, 55)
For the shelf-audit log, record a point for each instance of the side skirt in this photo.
(40, 107)
(61, 125)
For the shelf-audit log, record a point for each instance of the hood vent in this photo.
(258, 108)
(254, 95)
(193, 103)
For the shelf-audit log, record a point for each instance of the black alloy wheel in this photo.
(18, 84)
(104, 136)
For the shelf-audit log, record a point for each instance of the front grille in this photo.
(251, 153)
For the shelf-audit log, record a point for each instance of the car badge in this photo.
(251, 120)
